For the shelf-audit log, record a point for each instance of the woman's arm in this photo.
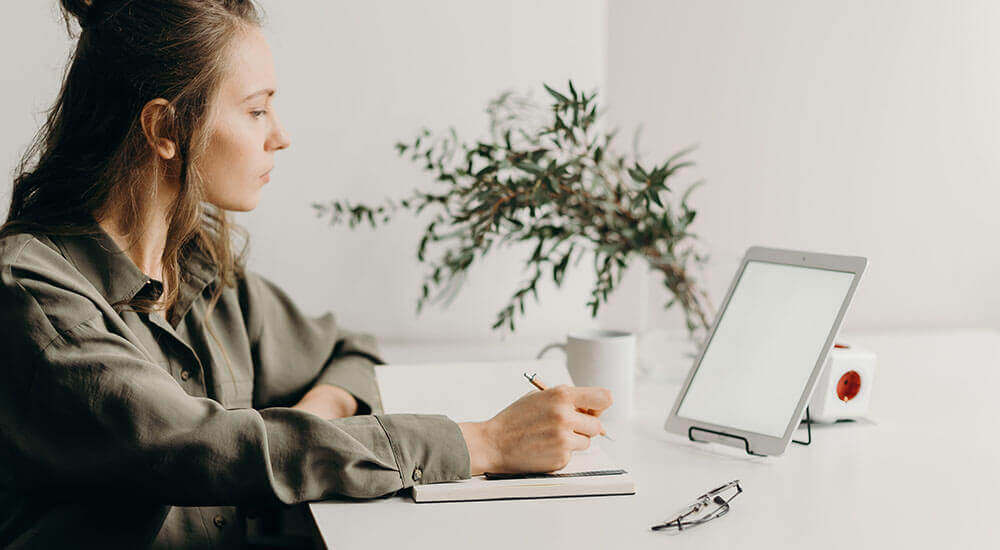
(327, 401)
(87, 414)
(295, 354)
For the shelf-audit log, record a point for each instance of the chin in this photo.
(242, 205)
(235, 196)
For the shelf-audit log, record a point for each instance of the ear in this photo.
(155, 118)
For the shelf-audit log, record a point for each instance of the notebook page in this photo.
(592, 459)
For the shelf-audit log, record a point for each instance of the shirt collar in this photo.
(118, 279)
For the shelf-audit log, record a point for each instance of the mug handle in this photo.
(550, 346)
(563, 348)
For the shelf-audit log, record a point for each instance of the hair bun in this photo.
(90, 13)
(81, 9)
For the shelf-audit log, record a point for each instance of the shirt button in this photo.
(185, 374)
(417, 474)
(219, 521)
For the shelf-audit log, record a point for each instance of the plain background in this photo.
(853, 127)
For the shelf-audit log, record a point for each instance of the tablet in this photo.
(757, 369)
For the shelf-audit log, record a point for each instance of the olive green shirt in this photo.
(125, 429)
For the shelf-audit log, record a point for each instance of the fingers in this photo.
(586, 398)
(579, 442)
(587, 425)
(583, 419)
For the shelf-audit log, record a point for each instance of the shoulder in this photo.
(12, 246)
(41, 291)
(263, 293)
(24, 255)
(266, 303)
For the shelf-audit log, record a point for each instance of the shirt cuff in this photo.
(356, 375)
(427, 448)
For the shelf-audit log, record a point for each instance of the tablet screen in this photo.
(768, 340)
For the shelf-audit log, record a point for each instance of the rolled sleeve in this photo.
(438, 453)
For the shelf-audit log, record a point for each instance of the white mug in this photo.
(606, 359)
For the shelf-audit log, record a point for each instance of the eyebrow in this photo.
(268, 91)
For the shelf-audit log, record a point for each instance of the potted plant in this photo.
(548, 177)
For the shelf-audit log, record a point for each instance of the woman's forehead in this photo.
(250, 70)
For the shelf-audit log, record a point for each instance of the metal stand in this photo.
(746, 444)
(809, 430)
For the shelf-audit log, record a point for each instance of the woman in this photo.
(154, 389)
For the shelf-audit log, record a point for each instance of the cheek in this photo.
(227, 167)
(227, 152)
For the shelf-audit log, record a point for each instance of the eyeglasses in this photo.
(702, 511)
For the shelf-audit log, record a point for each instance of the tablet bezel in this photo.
(755, 442)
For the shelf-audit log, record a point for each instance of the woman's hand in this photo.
(538, 432)
(327, 401)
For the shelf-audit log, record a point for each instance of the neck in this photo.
(147, 251)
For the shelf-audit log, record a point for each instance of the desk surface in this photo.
(924, 474)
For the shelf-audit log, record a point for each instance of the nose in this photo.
(279, 138)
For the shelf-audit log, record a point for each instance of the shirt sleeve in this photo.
(293, 352)
(85, 412)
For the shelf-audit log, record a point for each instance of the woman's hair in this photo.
(93, 159)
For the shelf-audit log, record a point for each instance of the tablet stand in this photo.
(746, 444)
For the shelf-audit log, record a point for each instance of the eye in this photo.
(258, 114)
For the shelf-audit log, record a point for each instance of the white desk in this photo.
(925, 475)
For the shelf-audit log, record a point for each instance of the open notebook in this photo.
(475, 391)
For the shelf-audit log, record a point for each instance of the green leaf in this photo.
(559, 271)
(677, 167)
(530, 167)
(639, 177)
(539, 196)
(687, 192)
(560, 125)
(668, 224)
(558, 96)
(488, 169)
(680, 154)
(537, 254)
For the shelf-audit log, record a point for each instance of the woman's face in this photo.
(245, 130)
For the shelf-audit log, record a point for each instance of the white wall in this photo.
(353, 78)
(33, 51)
(857, 127)
(850, 127)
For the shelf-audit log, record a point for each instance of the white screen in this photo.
(766, 345)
